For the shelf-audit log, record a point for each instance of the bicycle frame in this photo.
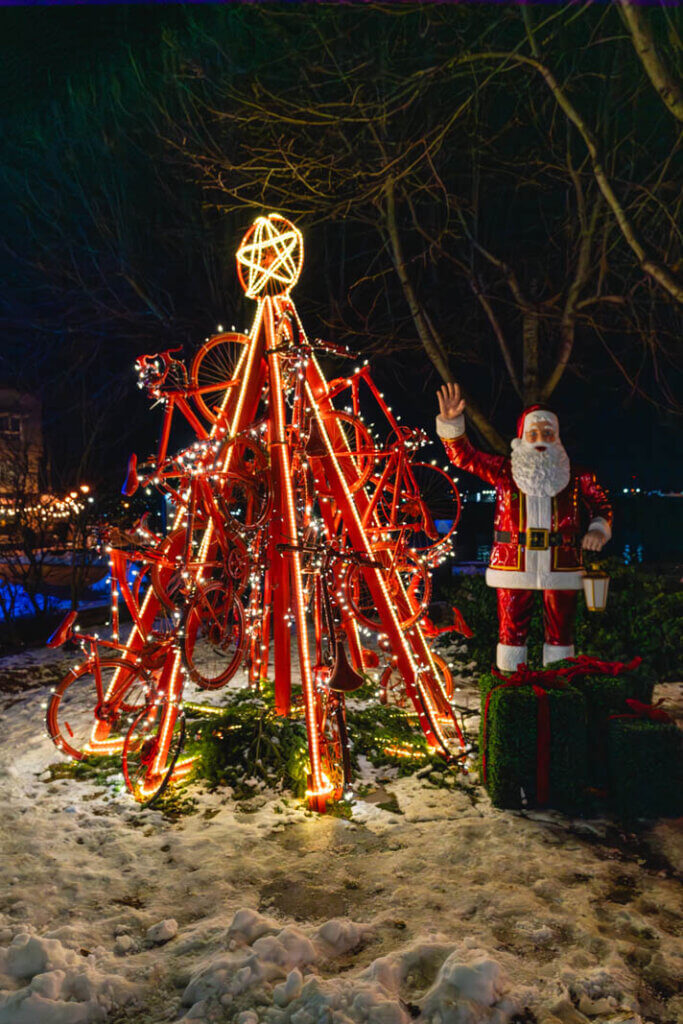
(319, 456)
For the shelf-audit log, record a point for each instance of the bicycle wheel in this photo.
(334, 747)
(214, 636)
(214, 368)
(80, 723)
(234, 565)
(392, 688)
(442, 676)
(166, 577)
(428, 507)
(423, 505)
(406, 579)
(432, 700)
(172, 578)
(151, 749)
(245, 487)
(353, 447)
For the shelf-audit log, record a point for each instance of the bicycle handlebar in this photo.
(145, 361)
(330, 346)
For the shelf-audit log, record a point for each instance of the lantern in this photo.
(595, 587)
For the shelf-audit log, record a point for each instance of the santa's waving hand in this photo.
(537, 527)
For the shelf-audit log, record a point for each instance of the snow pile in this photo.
(60, 987)
(475, 977)
(591, 925)
(469, 986)
(535, 932)
(248, 925)
(341, 936)
(162, 932)
(601, 991)
(268, 958)
(271, 966)
(28, 955)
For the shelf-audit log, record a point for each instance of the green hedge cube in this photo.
(606, 695)
(511, 743)
(645, 768)
(639, 682)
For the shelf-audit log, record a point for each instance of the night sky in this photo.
(65, 71)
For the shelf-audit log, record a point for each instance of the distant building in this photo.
(21, 442)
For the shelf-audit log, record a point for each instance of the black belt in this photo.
(535, 540)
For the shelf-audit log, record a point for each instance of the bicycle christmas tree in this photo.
(292, 526)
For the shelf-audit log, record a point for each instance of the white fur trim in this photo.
(602, 525)
(556, 652)
(541, 416)
(518, 580)
(450, 429)
(539, 512)
(509, 657)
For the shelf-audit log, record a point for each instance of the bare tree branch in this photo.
(498, 331)
(660, 273)
(432, 344)
(668, 87)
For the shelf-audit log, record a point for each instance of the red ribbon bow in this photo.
(651, 712)
(540, 683)
(525, 676)
(586, 665)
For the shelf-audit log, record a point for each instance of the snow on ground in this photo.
(446, 911)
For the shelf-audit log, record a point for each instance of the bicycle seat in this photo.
(132, 481)
(343, 676)
(63, 631)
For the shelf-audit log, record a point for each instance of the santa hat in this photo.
(536, 414)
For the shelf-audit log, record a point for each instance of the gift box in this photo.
(645, 763)
(590, 674)
(532, 740)
(606, 686)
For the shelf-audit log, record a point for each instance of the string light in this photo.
(47, 507)
(354, 497)
(271, 254)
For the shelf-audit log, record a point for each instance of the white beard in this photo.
(542, 474)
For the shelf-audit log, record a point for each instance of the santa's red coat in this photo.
(516, 565)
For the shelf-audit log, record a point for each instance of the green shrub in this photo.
(511, 749)
(645, 768)
(377, 730)
(248, 744)
(644, 616)
(477, 603)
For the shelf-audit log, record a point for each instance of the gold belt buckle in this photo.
(538, 540)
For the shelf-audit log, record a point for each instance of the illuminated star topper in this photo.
(270, 257)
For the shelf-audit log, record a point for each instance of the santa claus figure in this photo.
(538, 539)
